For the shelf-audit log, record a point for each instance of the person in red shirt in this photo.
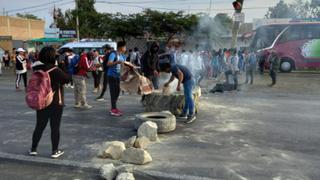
(80, 87)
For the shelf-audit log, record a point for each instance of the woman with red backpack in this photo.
(54, 110)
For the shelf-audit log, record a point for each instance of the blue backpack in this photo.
(74, 65)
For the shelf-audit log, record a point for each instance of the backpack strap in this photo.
(51, 69)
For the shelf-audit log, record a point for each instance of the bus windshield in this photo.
(265, 36)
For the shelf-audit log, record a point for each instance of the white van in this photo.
(88, 45)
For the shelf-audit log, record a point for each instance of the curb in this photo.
(94, 168)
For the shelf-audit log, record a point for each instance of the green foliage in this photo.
(27, 16)
(297, 9)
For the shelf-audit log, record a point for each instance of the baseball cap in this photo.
(108, 47)
(20, 50)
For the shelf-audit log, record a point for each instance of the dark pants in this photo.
(6, 63)
(114, 87)
(235, 79)
(249, 75)
(104, 86)
(273, 75)
(97, 78)
(154, 80)
(19, 77)
(261, 66)
(54, 113)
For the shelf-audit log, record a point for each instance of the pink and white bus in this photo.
(297, 44)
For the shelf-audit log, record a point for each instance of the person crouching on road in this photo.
(55, 109)
(114, 63)
(184, 77)
(80, 89)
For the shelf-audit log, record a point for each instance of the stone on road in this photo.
(136, 156)
(150, 130)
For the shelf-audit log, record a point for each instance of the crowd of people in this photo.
(72, 70)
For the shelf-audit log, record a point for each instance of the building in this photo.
(15, 31)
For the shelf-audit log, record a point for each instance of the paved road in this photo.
(257, 133)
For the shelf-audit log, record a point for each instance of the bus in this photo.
(296, 43)
(88, 45)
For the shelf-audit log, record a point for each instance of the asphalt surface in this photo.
(256, 133)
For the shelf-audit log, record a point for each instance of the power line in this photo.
(42, 9)
(35, 6)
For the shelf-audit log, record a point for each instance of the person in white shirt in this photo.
(21, 68)
(97, 71)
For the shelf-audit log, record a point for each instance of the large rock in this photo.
(165, 120)
(125, 168)
(150, 130)
(142, 142)
(125, 176)
(130, 142)
(174, 102)
(136, 156)
(114, 150)
(108, 172)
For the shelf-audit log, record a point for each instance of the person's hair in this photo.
(130, 50)
(135, 49)
(47, 55)
(164, 67)
(121, 44)
(90, 55)
(69, 50)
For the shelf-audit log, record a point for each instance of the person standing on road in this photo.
(184, 77)
(21, 68)
(274, 66)
(150, 61)
(97, 71)
(250, 65)
(55, 109)
(115, 60)
(6, 60)
(108, 49)
(80, 86)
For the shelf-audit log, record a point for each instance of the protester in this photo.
(97, 71)
(114, 63)
(274, 66)
(197, 67)
(21, 68)
(150, 61)
(69, 55)
(55, 109)
(6, 59)
(108, 49)
(215, 63)
(184, 58)
(250, 65)
(136, 58)
(184, 77)
(235, 67)
(80, 90)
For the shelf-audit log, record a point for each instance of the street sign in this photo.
(68, 34)
(239, 17)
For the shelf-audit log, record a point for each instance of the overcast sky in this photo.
(43, 8)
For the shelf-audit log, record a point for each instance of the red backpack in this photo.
(39, 92)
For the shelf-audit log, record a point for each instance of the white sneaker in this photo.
(77, 106)
(33, 153)
(57, 154)
(95, 90)
(99, 99)
(86, 106)
(71, 87)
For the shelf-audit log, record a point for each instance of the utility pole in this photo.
(77, 20)
(210, 5)
(238, 4)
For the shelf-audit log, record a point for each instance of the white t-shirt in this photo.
(24, 65)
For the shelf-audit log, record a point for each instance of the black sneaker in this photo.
(57, 154)
(33, 153)
(182, 116)
(190, 119)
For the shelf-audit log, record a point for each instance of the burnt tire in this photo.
(286, 65)
(165, 121)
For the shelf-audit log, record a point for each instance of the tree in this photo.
(281, 10)
(28, 16)
(298, 9)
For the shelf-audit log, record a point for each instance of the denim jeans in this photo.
(189, 102)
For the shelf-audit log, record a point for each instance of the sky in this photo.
(43, 8)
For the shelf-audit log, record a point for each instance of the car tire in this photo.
(165, 121)
(286, 65)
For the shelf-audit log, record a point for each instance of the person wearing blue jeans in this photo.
(184, 77)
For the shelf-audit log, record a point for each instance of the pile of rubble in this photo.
(133, 151)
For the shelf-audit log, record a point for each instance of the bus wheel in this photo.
(286, 65)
